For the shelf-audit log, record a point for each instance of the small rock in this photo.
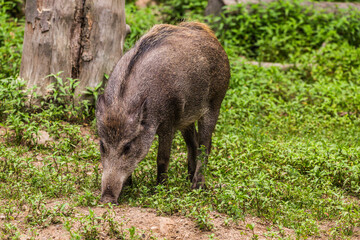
(44, 137)
(154, 228)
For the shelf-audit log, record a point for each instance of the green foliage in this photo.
(354, 1)
(140, 21)
(279, 32)
(11, 34)
(95, 227)
(174, 11)
(94, 92)
(282, 30)
(12, 98)
(88, 198)
(25, 114)
(13, 7)
(9, 231)
(62, 92)
(40, 215)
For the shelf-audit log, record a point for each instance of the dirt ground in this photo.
(148, 223)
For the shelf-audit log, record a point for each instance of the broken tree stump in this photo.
(82, 38)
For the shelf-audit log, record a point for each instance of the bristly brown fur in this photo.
(112, 118)
(172, 79)
(155, 37)
(150, 41)
(198, 26)
(111, 128)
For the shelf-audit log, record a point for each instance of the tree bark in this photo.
(82, 38)
(214, 6)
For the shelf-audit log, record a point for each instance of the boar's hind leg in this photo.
(190, 136)
(163, 156)
(206, 125)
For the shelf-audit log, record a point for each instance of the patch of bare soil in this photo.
(2, 134)
(148, 223)
(87, 131)
(180, 227)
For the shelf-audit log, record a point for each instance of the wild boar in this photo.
(172, 77)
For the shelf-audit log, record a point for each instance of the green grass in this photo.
(11, 37)
(286, 147)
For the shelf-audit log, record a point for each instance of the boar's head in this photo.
(125, 138)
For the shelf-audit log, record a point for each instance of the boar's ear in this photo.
(100, 104)
(143, 112)
(138, 113)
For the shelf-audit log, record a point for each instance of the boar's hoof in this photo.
(109, 199)
(198, 182)
(162, 179)
(198, 185)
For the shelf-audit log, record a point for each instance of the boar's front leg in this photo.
(163, 157)
(206, 126)
(191, 139)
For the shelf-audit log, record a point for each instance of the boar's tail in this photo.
(198, 26)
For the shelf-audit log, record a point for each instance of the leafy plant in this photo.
(175, 11)
(281, 30)
(140, 21)
(11, 38)
(62, 92)
(9, 231)
(94, 92)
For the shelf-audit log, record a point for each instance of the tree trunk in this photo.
(82, 38)
(214, 6)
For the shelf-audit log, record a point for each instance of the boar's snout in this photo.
(111, 188)
(108, 198)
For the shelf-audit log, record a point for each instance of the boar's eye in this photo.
(102, 149)
(127, 148)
